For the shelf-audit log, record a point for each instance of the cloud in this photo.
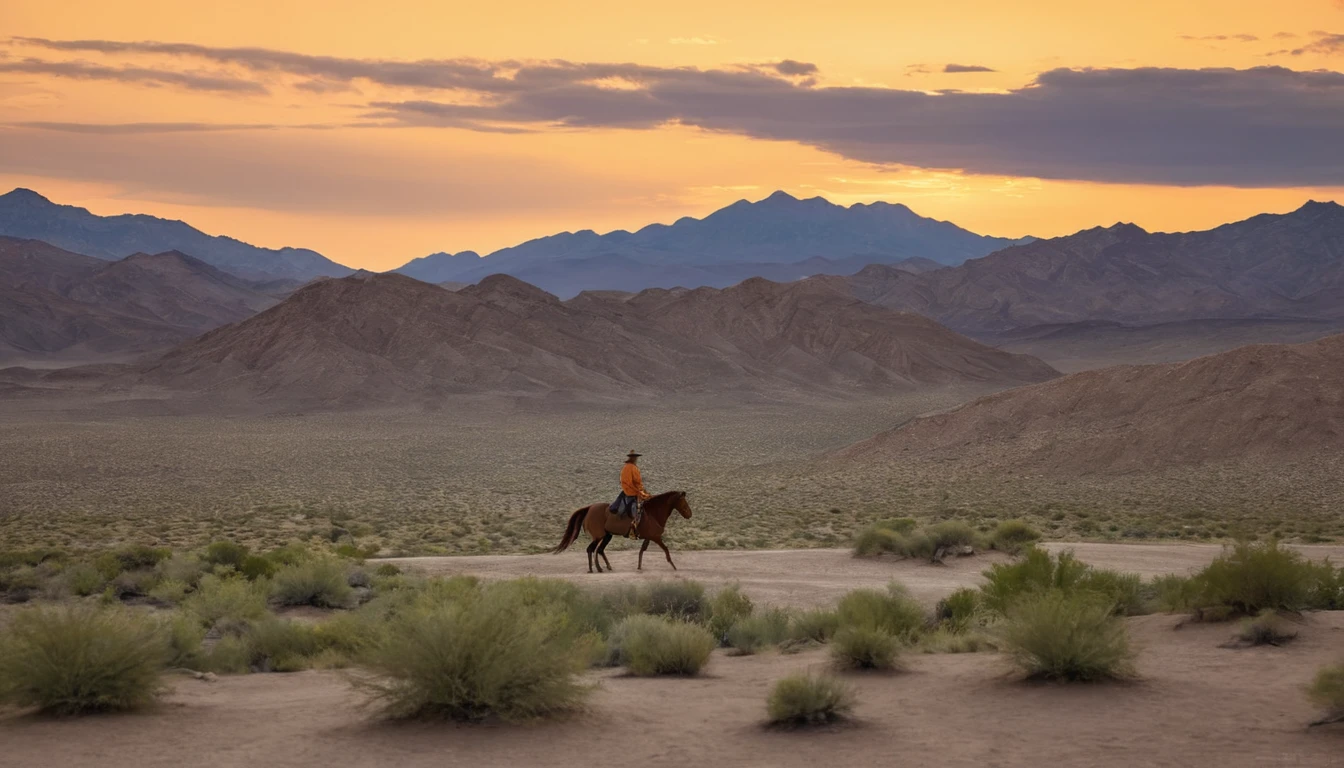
(1241, 38)
(953, 69)
(1325, 43)
(79, 70)
(1265, 126)
(793, 68)
(123, 129)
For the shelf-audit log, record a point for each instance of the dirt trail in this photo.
(808, 577)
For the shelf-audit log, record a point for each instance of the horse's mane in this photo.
(663, 495)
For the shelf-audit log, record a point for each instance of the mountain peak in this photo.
(1319, 206)
(780, 196)
(24, 195)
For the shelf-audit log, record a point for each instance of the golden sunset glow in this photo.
(275, 155)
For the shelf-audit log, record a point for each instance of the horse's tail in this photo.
(571, 530)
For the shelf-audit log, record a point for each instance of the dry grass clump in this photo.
(807, 699)
(1266, 628)
(475, 659)
(864, 647)
(893, 612)
(231, 600)
(817, 625)
(726, 608)
(760, 631)
(1013, 536)
(77, 659)
(901, 537)
(1071, 636)
(1037, 572)
(319, 581)
(654, 645)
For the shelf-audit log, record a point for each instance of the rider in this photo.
(632, 491)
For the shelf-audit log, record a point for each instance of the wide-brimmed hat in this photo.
(633, 455)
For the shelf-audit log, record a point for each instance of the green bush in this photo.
(726, 608)
(947, 640)
(280, 645)
(83, 579)
(678, 599)
(1013, 536)
(387, 569)
(893, 612)
(186, 568)
(320, 582)
(809, 700)
(958, 610)
(135, 583)
(1061, 635)
(582, 612)
(1326, 590)
(1253, 577)
(1268, 628)
(652, 645)
(230, 655)
(864, 647)
(225, 552)
(951, 533)
(875, 540)
(1124, 590)
(1035, 572)
(816, 625)
(1327, 692)
(233, 600)
(185, 634)
(756, 633)
(81, 658)
(1175, 593)
(474, 659)
(168, 592)
(257, 567)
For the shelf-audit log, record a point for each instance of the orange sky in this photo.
(376, 197)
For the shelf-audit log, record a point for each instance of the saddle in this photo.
(621, 515)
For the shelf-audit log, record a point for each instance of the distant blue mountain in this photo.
(26, 214)
(780, 237)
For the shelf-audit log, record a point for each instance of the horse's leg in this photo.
(660, 543)
(642, 547)
(591, 548)
(602, 551)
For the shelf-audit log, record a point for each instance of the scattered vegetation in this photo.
(759, 631)
(76, 659)
(1037, 572)
(1067, 635)
(808, 699)
(728, 606)
(655, 645)
(892, 612)
(864, 647)
(1267, 628)
(320, 581)
(901, 537)
(1327, 692)
(813, 626)
(1013, 536)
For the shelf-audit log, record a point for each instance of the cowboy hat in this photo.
(632, 455)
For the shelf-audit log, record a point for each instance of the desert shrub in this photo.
(131, 558)
(185, 634)
(135, 583)
(816, 625)
(726, 608)
(225, 552)
(230, 655)
(652, 645)
(16, 558)
(580, 610)
(957, 611)
(1267, 628)
(864, 647)
(387, 569)
(234, 600)
(1035, 572)
(1013, 536)
(757, 632)
(679, 599)
(947, 640)
(81, 658)
(186, 568)
(83, 579)
(1253, 577)
(875, 540)
(1326, 587)
(21, 584)
(280, 645)
(1124, 590)
(1327, 692)
(1174, 593)
(951, 533)
(893, 612)
(809, 700)
(257, 567)
(473, 659)
(1061, 635)
(168, 592)
(320, 582)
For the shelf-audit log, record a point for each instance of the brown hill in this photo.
(59, 304)
(1268, 266)
(371, 339)
(1264, 402)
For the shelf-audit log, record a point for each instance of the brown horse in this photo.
(602, 525)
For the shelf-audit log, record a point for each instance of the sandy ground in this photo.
(1196, 703)
(810, 577)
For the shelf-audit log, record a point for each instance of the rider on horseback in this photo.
(632, 492)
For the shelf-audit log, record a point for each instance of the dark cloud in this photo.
(1325, 43)
(1242, 38)
(1266, 126)
(80, 70)
(122, 129)
(953, 69)
(795, 68)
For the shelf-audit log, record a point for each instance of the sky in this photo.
(379, 132)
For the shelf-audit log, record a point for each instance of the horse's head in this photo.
(682, 505)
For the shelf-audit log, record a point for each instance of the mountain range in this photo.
(28, 215)
(1267, 267)
(389, 339)
(60, 305)
(780, 237)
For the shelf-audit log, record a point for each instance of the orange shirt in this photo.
(631, 482)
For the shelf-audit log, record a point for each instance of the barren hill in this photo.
(53, 302)
(1268, 266)
(1264, 402)
(371, 339)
